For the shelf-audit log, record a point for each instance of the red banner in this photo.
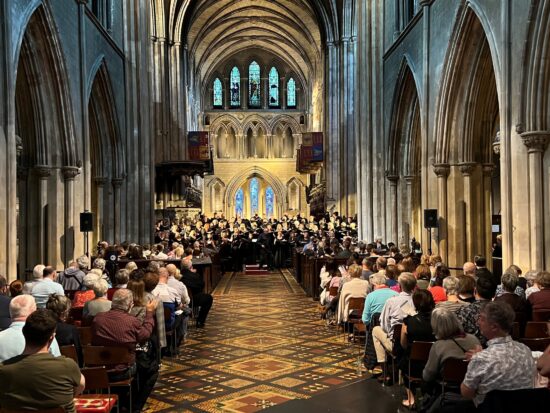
(199, 146)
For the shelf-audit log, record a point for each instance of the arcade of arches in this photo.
(423, 104)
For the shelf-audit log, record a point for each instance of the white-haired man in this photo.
(36, 277)
(12, 341)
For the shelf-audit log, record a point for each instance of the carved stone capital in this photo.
(536, 141)
(117, 182)
(43, 171)
(442, 170)
(100, 180)
(393, 178)
(466, 168)
(488, 169)
(70, 172)
(409, 179)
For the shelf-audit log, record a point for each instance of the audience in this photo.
(34, 379)
(505, 364)
(81, 297)
(16, 288)
(469, 269)
(509, 294)
(423, 276)
(195, 283)
(452, 303)
(466, 288)
(374, 303)
(356, 287)
(72, 277)
(37, 274)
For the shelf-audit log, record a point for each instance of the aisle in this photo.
(263, 345)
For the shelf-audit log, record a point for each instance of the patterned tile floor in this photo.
(263, 345)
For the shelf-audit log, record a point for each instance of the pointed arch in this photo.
(235, 87)
(274, 100)
(470, 74)
(254, 85)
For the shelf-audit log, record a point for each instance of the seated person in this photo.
(71, 278)
(416, 328)
(122, 277)
(509, 283)
(393, 313)
(100, 303)
(423, 276)
(356, 287)
(466, 288)
(450, 285)
(195, 283)
(65, 334)
(468, 315)
(54, 381)
(12, 342)
(541, 300)
(81, 297)
(374, 303)
(505, 364)
(452, 342)
(48, 285)
(117, 327)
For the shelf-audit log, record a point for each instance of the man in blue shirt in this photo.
(12, 341)
(42, 290)
(374, 303)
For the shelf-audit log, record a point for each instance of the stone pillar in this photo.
(69, 175)
(43, 172)
(488, 169)
(470, 231)
(117, 183)
(297, 137)
(269, 146)
(254, 143)
(442, 173)
(408, 215)
(100, 185)
(536, 143)
(393, 179)
(24, 216)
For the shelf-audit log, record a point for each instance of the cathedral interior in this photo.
(421, 104)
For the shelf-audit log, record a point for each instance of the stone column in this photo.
(442, 172)
(536, 143)
(69, 175)
(269, 146)
(470, 243)
(117, 183)
(297, 137)
(43, 172)
(488, 169)
(24, 216)
(254, 143)
(408, 215)
(100, 185)
(393, 179)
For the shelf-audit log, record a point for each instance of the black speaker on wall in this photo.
(430, 218)
(86, 222)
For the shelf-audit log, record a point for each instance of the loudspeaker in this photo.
(430, 218)
(86, 222)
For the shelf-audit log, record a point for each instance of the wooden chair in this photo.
(109, 357)
(420, 352)
(453, 372)
(69, 352)
(85, 334)
(170, 331)
(536, 329)
(355, 312)
(541, 315)
(75, 315)
(396, 338)
(536, 344)
(96, 380)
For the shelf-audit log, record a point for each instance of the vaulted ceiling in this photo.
(214, 30)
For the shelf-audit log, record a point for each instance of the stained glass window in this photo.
(291, 93)
(235, 88)
(218, 94)
(273, 87)
(239, 203)
(254, 198)
(269, 202)
(254, 85)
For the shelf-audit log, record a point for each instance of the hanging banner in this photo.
(198, 146)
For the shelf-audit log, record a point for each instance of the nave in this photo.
(263, 345)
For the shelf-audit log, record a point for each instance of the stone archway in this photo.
(241, 179)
